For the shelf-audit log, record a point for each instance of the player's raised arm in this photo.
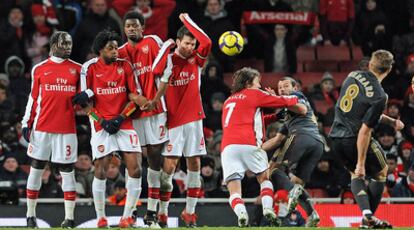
(204, 48)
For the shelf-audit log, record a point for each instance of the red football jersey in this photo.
(242, 117)
(110, 85)
(54, 83)
(142, 57)
(183, 95)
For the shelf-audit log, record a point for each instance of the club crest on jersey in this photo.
(101, 148)
(120, 70)
(145, 49)
(30, 149)
(191, 60)
(202, 143)
(72, 71)
(169, 147)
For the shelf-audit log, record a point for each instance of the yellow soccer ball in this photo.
(231, 43)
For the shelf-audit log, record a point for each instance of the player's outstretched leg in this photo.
(193, 189)
(294, 195)
(69, 192)
(266, 193)
(165, 196)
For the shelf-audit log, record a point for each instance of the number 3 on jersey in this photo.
(229, 106)
(347, 100)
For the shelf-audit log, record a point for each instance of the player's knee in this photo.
(166, 182)
(38, 164)
(65, 167)
(100, 172)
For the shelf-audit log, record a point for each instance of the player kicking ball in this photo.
(243, 133)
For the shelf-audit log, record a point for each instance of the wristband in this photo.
(129, 109)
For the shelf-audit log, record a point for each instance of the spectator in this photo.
(51, 185)
(370, 28)
(213, 117)
(326, 90)
(4, 80)
(280, 54)
(119, 195)
(213, 82)
(405, 188)
(156, 14)
(11, 139)
(215, 22)
(96, 20)
(326, 177)
(12, 172)
(393, 109)
(13, 32)
(403, 47)
(363, 64)
(385, 135)
(406, 156)
(336, 20)
(214, 149)
(212, 186)
(38, 39)
(84, 173)
(347, 197)
(19, 85)
(113, 176)
(6, 107)
(393, 175)
(69, 14)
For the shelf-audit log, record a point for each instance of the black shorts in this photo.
(345, 149)
(302, 153)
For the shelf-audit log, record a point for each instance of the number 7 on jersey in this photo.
(229, 106)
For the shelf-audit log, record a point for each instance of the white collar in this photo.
(57, 59)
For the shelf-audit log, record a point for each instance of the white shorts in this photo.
(56, 147)
(237, 159)
(186, 140)
(152, 130)
(103, 143)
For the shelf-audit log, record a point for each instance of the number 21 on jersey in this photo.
(229, 106)
(347, 101)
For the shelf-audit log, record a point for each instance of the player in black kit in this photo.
(357, 112)
(298, 156)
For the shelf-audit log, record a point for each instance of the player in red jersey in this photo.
(108, 81)
(185, 114)
(49, 124)
(243, 133)
(151, 124)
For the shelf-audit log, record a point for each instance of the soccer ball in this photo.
(231, 43)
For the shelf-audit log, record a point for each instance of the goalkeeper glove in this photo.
(109, 127)
(81, 99)
(117, 121)
(281, 114)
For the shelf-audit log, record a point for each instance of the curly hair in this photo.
(243, 77)
(102, 38)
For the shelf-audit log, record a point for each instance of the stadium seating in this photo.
(333, 53)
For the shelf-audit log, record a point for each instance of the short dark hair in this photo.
(183, 31)
(134, 15)
(243, 77)
(102, 38)
(291, 79)
(383, 61)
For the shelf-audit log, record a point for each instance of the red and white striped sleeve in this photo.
(204, 48)
(162, 65)
(31, 106)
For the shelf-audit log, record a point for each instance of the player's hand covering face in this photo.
(133, 29)
(110, 52)
(63, 47)
(186, 46)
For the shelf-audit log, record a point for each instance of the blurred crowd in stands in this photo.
(357, 26)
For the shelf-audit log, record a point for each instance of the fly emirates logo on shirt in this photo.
(112, 89)
(60, 86)
(184, 79)
(140, 70)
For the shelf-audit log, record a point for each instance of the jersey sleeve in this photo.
(162, 65)
(86, 79)
(265, 99)
(204, 48)
(31, 106)
(269, 118)
(373, 114)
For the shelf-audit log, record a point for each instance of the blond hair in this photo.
(381, 61)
